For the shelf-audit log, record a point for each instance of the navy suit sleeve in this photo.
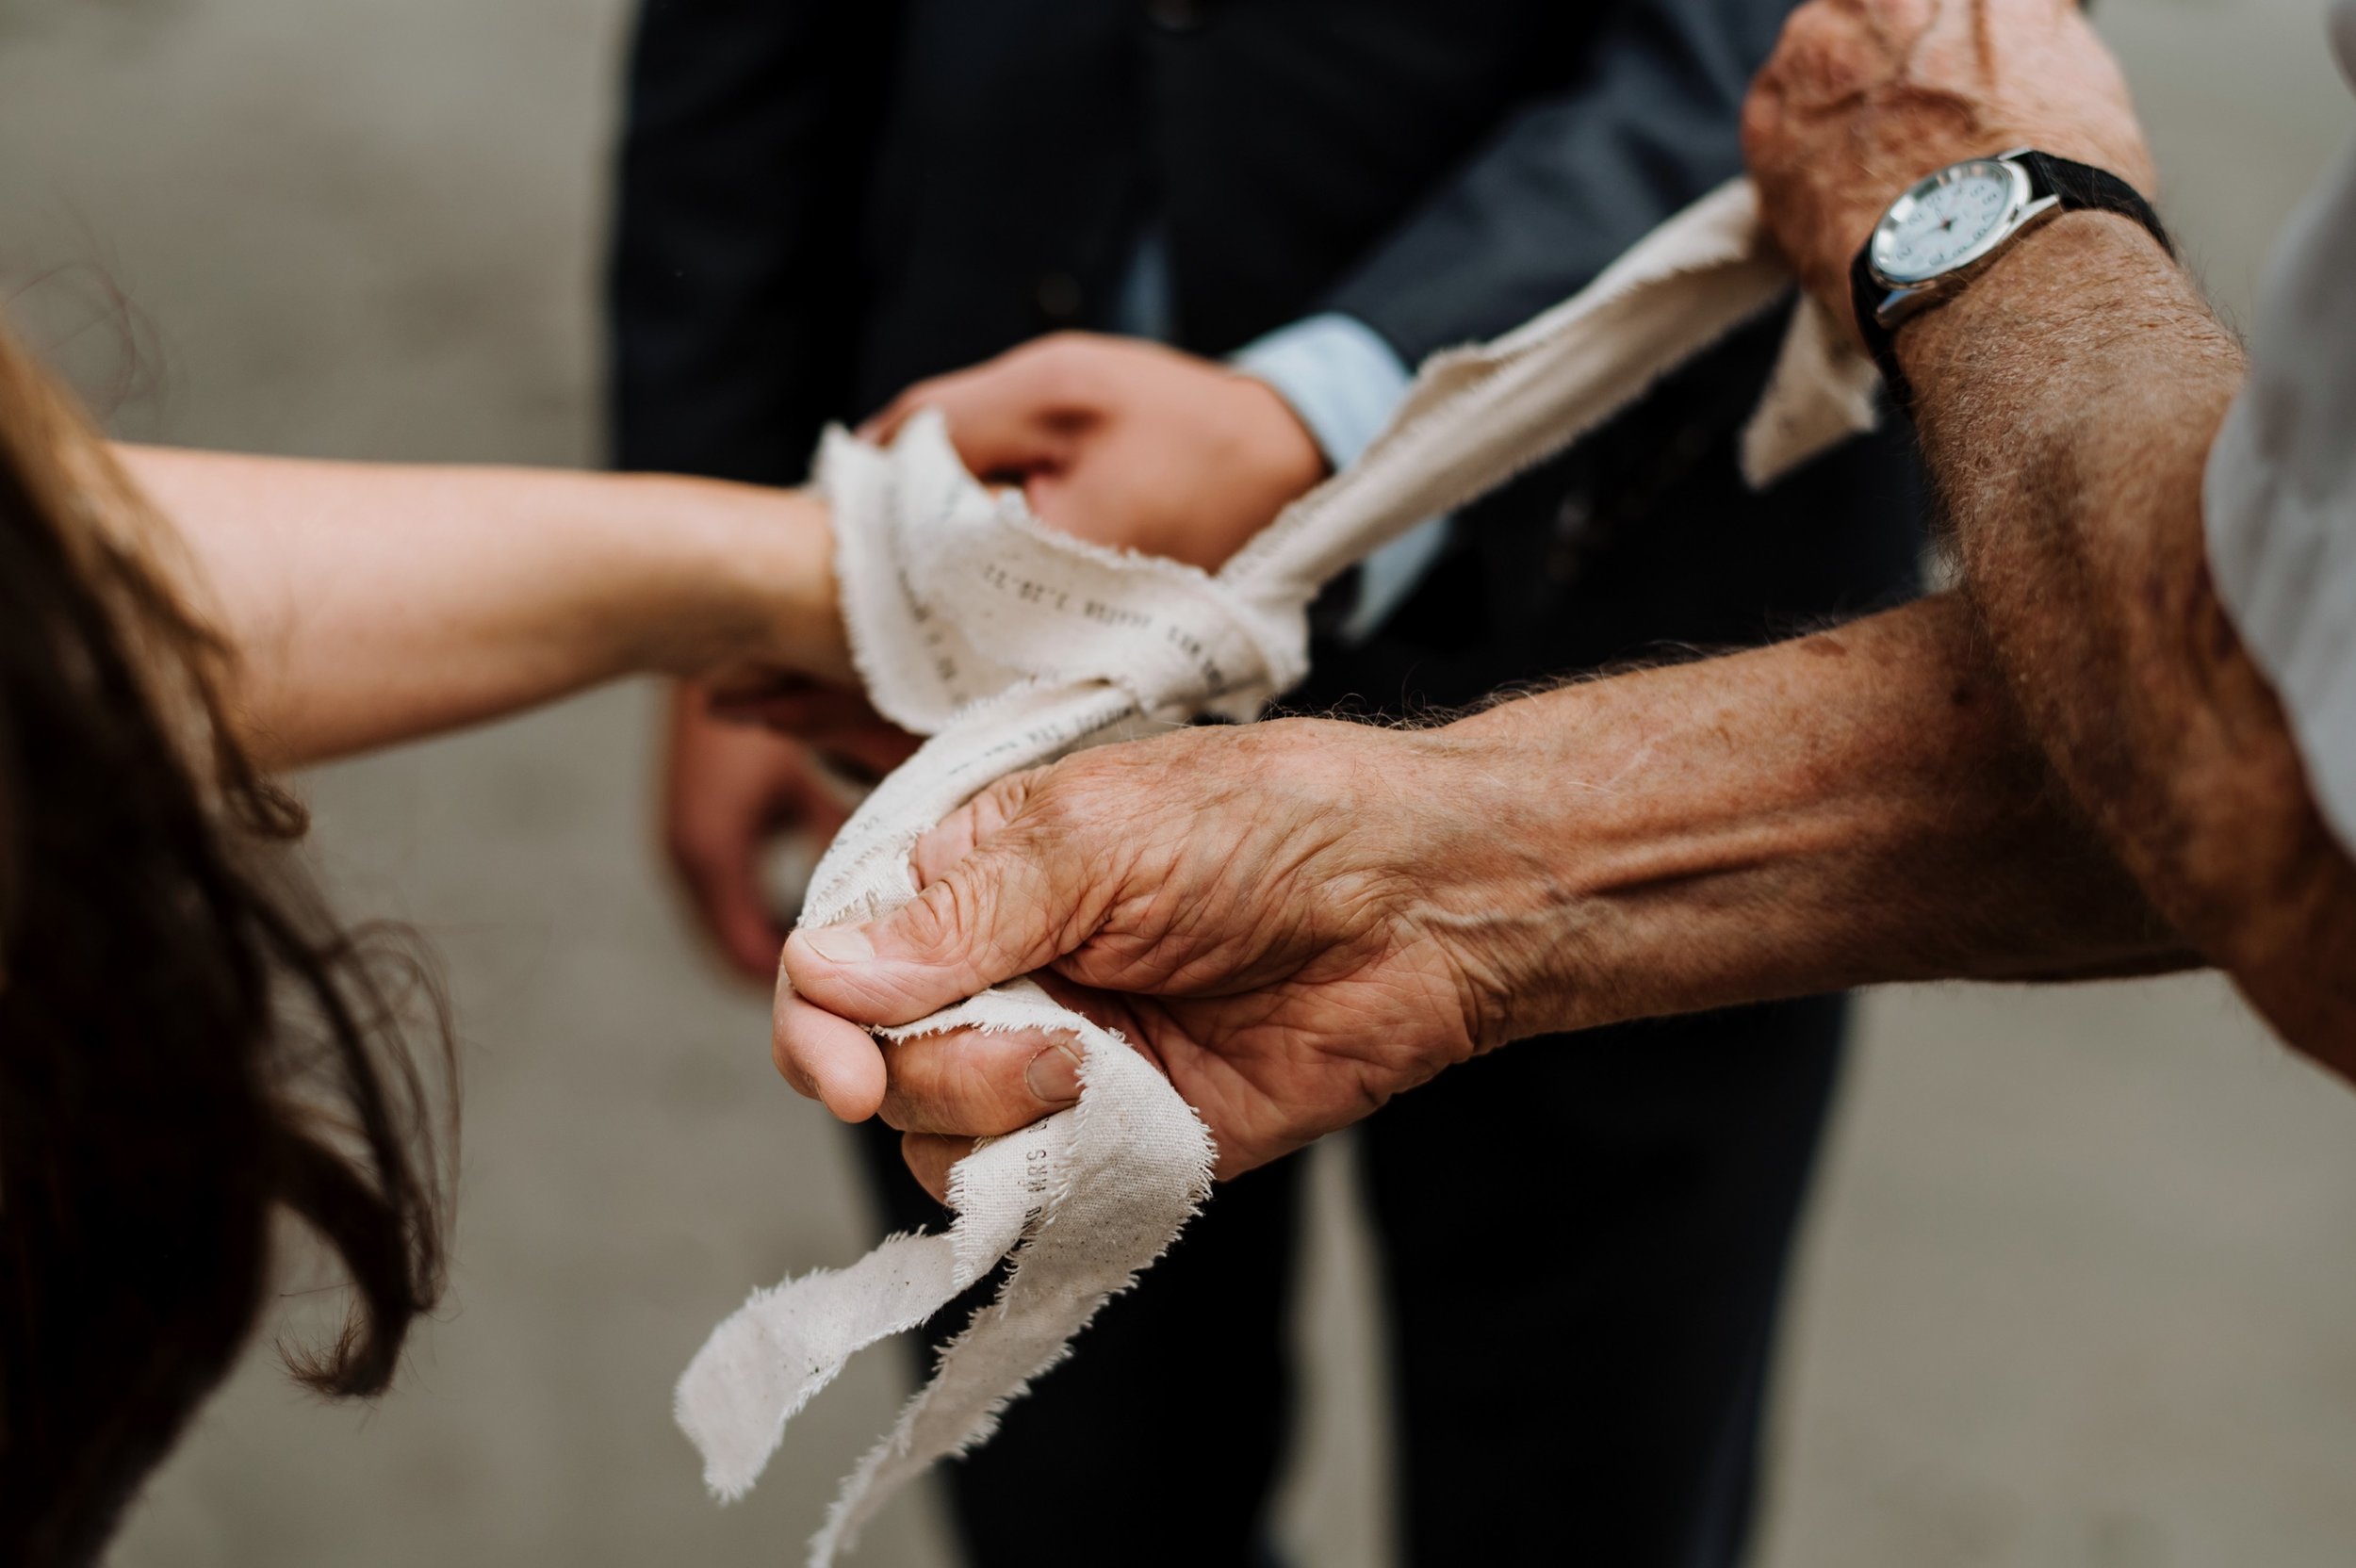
(1650, 122)
(732, 284)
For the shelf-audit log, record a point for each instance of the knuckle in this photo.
(992, 945)
(933, 922)
(1075, 830)
(955, 923)
(1059, 805)
(1003, 801)
(1069, 368)
(1808, 25)
(1058, 344)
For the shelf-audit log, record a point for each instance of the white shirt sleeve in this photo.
(2280, 490)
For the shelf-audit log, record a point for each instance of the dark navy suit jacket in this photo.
(825, 200)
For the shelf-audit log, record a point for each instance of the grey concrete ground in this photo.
(2079, 1289)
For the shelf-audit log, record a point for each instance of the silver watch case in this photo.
(2023, 212)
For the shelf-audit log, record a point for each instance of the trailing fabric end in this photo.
(1823, 391)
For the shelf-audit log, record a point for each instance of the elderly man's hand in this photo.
(1864, 97)
(1287, 913)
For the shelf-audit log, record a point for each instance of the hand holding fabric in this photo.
(1125, 443)
(1276, 916)
(1119, 442)
(743, 769)
(1296, 919)
(1864, 97)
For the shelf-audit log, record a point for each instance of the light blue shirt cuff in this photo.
(1339, 375)
(1345, 382)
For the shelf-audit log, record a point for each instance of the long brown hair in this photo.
(187, 1043)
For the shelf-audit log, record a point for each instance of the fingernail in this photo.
(1053, 1076)
(839, 944)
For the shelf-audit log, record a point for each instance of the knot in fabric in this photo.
(1010, 645)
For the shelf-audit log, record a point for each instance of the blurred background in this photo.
(2078, 1288)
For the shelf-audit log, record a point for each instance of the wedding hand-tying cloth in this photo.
(1011, 645)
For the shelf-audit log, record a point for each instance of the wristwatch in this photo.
(1950, 227)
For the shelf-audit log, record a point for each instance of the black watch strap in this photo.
(2080, 187)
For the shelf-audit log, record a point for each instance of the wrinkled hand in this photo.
(731, 790)
(1295, 920)
(1864, 97)
(1125, 443)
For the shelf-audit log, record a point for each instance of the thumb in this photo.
(1016, 904)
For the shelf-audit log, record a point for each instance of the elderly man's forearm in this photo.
(2068, 399)
(1854, 807)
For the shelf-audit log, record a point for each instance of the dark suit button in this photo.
(1058, 298)
(1178, 16)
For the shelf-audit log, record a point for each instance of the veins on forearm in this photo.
(2068, 400)
(1854, 807)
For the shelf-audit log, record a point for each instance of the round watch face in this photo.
(1953, 217)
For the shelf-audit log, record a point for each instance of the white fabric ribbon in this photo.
(1011, 645)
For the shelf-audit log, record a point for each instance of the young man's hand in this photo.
(1125, 443)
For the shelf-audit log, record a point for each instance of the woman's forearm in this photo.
(373, 603)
